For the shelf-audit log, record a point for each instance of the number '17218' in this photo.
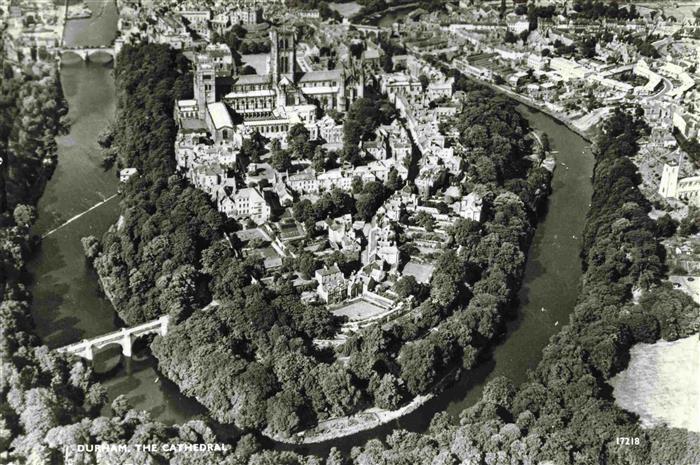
(626, 441)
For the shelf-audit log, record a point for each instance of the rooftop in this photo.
(327, 75)
(219, 115)
(253, 79)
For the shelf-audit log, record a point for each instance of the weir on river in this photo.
(78, 216)
(68, 305)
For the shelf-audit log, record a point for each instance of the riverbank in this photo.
(372, 418)
(351, 427)
(587, 133)
(546, 298)
(336, 428)
(368, 419)
(356, 440)
(68, 302)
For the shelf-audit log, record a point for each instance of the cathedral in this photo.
(270, 103)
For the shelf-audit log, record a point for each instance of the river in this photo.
(68, 305)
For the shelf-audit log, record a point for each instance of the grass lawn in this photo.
(421, 271)
(257, 61)
(661, 383)
(358, 310)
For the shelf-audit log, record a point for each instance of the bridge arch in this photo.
(89, 53)
(93, 54)
(72, 53)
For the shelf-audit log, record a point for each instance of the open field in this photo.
(661, 383)
(258, 61)
(421, 271)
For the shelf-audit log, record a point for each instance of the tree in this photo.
(319, 161)
(284, 412)
(690, 224)
(500, 391)
(280, 160)
(306, 264)
(372, 197)
(419, 365)
(338, 387)
(24, 215)
(356, 185)
(666, 226)
(216, 258)
(466, 232)
(393, 181)
(363, 117)
(106, 136)
(356, 49)
(253, 148)
(91, 246)
(424, 81)
(299, 143)
(407, 286)
(388, 393)
(40, 411)
(448, 278)
(425, 220)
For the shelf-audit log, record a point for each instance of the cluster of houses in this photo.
(390, 150)
(424, 105)
(187, 24)
(228, 108)
(536, 66)
(33, 29)
(269, 104)
(542, 65)
(381, 256)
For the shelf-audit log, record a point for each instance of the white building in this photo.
(219, 122)
(568, 69)
(687, 189)
(247, 203)
(331, 284)
(469, 207)
(381, 245)
(126, 174)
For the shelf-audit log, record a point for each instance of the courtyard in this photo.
(359, 310)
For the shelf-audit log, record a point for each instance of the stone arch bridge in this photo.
(124, 337)
(85, 53)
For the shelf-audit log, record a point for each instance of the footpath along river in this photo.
(68, 305)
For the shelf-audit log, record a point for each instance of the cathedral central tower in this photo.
(282, 55)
